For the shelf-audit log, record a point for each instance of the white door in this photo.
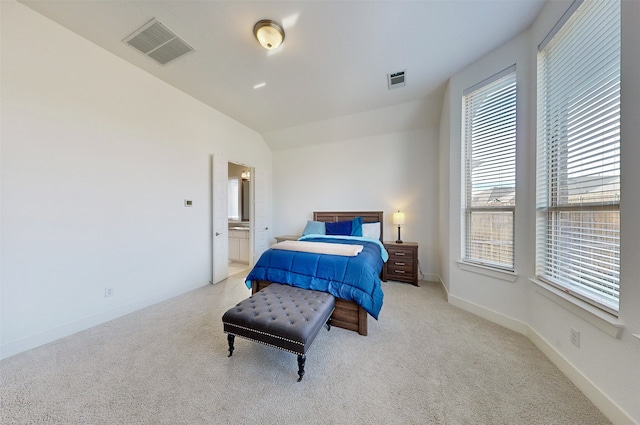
(220, 218)
(261, 210)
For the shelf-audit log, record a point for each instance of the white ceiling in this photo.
(328, 80)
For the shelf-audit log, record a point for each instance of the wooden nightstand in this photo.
(403, 262)
(286, 238)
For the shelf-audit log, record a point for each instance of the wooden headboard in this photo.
(367, 217)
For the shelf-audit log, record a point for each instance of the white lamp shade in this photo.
(269, 34)
(398, 218)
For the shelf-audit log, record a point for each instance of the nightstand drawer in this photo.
(400, 267)
(395, 273)
(401, 255)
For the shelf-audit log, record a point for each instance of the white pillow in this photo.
(371, 230)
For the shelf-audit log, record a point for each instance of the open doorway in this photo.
(257, 219)
(239, 217)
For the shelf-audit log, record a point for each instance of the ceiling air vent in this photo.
(396, 80)
(158, 42)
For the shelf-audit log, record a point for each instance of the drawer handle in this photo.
(400, 264)
(399, 271)
(399, 253)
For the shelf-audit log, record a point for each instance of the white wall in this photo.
(379, 173)
(605, 366)
(97, 160)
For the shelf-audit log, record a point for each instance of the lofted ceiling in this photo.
(328, 80)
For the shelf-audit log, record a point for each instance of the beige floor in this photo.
(235, 268)
(424, 362)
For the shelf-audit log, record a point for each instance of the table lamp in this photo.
(398, 218)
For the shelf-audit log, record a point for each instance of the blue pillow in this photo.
(314, 228)
(356, 226)
(342, 228)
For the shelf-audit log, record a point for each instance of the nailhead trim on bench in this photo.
(262, 333)
(266, 343)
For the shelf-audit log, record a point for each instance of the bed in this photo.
(348, 313)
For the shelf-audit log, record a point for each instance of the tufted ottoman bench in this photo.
(281, 316)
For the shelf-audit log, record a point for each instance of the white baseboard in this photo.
(607, 406)
(492, 316)
(430, 277)
(15, 347)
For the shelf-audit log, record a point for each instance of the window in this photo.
(578, 160)
(490, 170)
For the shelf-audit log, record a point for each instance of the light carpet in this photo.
(424, 362)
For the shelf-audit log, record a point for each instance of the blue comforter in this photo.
(355, 279)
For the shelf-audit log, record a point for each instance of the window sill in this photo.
(487, 271)
(601, 319)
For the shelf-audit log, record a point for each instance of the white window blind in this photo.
(578, 160)
(490, 170)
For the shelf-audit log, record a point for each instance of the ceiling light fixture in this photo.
(269, 34)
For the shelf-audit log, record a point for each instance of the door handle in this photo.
(218, 233)
(266, 228)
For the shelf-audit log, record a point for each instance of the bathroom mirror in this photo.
(239, 192)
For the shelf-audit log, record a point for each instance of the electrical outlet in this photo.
(575, 337)
(108, 292)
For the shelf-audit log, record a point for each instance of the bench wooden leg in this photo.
(301, 360)
(230, 339)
